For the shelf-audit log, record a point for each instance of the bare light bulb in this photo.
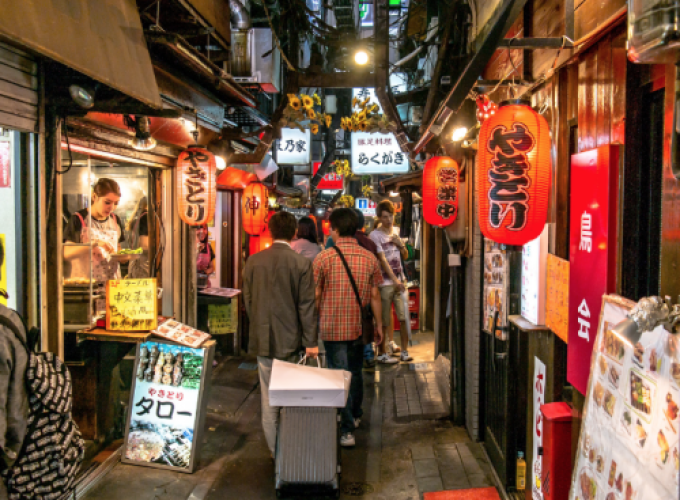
(459, 134)
(220, 162)
(361, 57)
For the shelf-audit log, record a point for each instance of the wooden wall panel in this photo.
(619, 64)
(603, 85)
(548, 21)
(587, 101)
(589, 14)
(500, 66)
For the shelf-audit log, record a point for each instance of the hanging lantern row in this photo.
(440, 191)
(485, 108)
(513, 174)
(255, 208)
(197, 185)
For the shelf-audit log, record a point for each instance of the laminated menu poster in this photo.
(166, 411)
(181, 333)
(495, 286)
(628, 448)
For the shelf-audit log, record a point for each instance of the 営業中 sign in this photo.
(592, 252)
(377, 154)
(131, 305)
(294, 147)
(167, 405)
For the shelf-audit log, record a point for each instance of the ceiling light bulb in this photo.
(459, 134)
(393, 194)
(361, 57)
(188, 125)
(82, 96)
(220, 162)
(143, 144)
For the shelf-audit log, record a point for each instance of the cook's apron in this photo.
(203, 262)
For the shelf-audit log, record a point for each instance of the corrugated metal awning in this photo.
(102, 39)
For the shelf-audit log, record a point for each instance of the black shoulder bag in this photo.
(367, 327)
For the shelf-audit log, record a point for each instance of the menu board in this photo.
(222, 318)
(628, 448)
(131, 305)
(534, 256)
(181, 333)
(166, 411)
(495, 286)
(557, 301)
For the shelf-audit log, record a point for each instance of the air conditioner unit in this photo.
(248, 66)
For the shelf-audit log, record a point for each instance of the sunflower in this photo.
(363, 126)
(293, 102)
(361, 116)
(328, 120)
(343, 123)
(307, 101)
(311, 114)
(315, 129)
(354, 102)
(364, 102)
(374, 108)
(317, 99)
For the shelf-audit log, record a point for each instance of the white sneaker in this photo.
(357, 423)
(387, 359)
(347, 439)
(395, 348)
(405, 356)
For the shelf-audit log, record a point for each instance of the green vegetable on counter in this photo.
(127, 251)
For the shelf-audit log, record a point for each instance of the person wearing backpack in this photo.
(13, 393)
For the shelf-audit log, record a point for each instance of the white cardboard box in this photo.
(300, 385)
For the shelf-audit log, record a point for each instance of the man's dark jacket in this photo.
(278, 291)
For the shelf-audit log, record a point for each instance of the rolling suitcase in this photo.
(308, 448)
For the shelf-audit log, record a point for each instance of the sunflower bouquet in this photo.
(300, 113)
(342, 168)
(346, 201)
(365, 118)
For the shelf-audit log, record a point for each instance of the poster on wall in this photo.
(167, 406)
(131, 305)
(495, 286)
(557, 299)
(628, 447)
(537, 433)
(534, 259)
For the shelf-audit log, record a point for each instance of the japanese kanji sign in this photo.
(331, 180)
(166, 406)
(537, 429)
(294, 147)
(592, 252)
(557, 300)
(377, 154)
(363, 93)
(222, 318)
(131, 305)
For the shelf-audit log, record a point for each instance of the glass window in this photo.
(9, 198)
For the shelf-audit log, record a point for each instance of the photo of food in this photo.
(614, 375)
(675, 372)
(587, 485)
(626, 420)
(640, 394)
(612, 474)
(609, 403)
(612, 345)
(638, 354)
(161, 444)
(172, 324)
(598, 394)
(640, 434)
(671, 411)
(664, 448)
(603, 365)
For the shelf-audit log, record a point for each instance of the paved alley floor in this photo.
(403, 449)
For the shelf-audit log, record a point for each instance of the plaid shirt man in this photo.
(339, 312)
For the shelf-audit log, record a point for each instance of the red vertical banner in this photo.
(5, 165)
(592, 252)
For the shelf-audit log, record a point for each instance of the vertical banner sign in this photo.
(592, 251)
(557, 300)
(196, 185)
(5, 165)
(330, 181)
(537, 425)
(167, 406)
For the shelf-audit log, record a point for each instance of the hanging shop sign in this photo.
(196, 185)
(592, 252)
(377, 154)
(255, 208)
(440, 191)
(330, 181)
(167, 406)
(533, 293)
(299, 213)
(557, 299)
(363, 93)
(131, 305)
(628, 445)
(294, 147)
(513, 181)
(366, 205)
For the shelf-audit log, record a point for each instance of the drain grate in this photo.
(356, 489)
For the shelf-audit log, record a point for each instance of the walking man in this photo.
(340, 314)
(390, 252)
(278, 292)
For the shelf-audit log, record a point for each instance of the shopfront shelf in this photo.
(102, 335)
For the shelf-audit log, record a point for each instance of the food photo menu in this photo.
(628, 448)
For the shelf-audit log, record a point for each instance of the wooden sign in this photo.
(557, 301)
(131, 305)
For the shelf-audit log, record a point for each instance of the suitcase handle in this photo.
(303, 361)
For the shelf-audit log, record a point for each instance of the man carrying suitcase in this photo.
(278, 292)
(339, 311)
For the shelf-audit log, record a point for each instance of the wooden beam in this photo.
(535, 43)
(350, 79)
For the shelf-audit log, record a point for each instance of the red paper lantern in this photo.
(196, 185)
(513, 174)
(255, 208)
(259, 243)
(326, 227)
(440, 191)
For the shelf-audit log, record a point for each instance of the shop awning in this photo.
(102, 39)
(412, 179)
(234, 179)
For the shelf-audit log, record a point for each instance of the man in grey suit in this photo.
(278, 291)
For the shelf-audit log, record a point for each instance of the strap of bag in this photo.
(349, 274)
